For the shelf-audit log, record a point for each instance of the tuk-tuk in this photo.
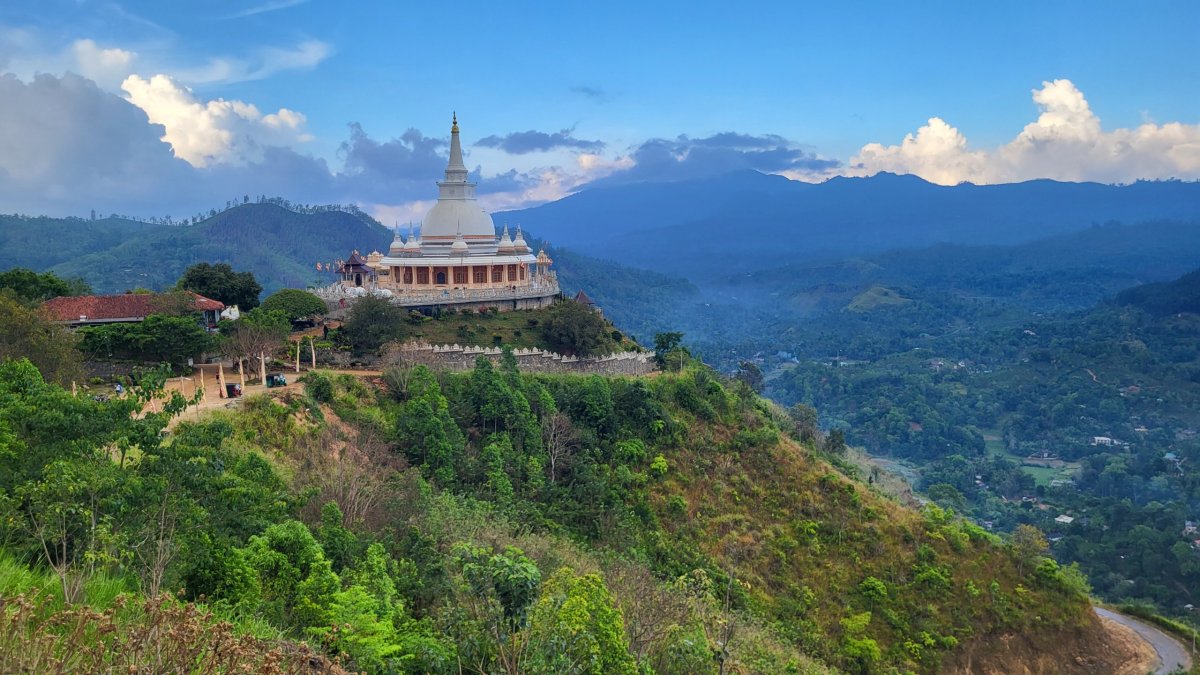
(276, 380)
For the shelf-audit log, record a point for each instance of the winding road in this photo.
(1172, 655)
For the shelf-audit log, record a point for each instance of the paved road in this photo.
(1172, 655)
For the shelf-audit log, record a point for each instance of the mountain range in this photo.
(747, 220)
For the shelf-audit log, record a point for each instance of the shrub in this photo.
(873, 589)
(659, 466)
(319, 387)
(295, 304)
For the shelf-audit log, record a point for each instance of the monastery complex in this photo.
(455, 260)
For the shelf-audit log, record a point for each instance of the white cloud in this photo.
(212, 132)
(107, 66)
(272, 6)
(1066, 142)
(262, 64)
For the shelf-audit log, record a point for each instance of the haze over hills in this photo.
(748, 220)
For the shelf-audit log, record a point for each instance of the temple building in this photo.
(455, 259)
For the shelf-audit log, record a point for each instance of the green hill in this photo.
(280, 246)
(39, 242)
(1170, 297)
(494, 521)
(1091, 415)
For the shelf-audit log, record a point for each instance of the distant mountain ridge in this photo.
(279, 245)
(747, 220)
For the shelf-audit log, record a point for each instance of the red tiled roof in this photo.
(129, 306)
(583, 299)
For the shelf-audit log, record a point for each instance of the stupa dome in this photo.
(456, 210)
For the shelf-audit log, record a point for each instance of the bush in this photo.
(572, 328)
(295, 304)
(873, 589)
(659, 466)
(319, 387)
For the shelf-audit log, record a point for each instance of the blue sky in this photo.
(814, 84)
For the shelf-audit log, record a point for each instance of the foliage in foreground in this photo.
(154, 635)
(493, 521)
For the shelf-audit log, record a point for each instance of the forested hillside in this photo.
(281, 246)
(498, 522)
(1091, 416)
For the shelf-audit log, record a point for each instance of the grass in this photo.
(1042, 475)
(876, 297)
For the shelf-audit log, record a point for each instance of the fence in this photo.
(458, 357)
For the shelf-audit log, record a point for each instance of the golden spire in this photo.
(454, 128)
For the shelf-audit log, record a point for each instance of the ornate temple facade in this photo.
(455, 259)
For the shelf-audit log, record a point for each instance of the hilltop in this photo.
(444, 520)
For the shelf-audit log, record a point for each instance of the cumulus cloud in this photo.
(1066, 142)
(684, 158)
(216, 131)
(65, 141)
(108, 67)
(68, 146)
(522, 142)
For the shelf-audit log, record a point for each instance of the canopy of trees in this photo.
(26, 332)
(574, 328)
(220, 282)
(160, 337)
(32, 288)
(295, 304)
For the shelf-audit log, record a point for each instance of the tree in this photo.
(425, 429)
(804, 421)
(255, 334)
(371, 322)
(295, 304)
(665, 343)
(835, 442)
(162, 338)
(573, 328)
(559, 438)
(947, 496)
(28, 333)
(33, 288)
(1028, 545)
(751, 374)
(220, 282)
(576, 628)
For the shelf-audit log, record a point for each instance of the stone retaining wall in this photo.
(457, 357)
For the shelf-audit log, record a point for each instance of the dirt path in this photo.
(212, 400)
(1169, 655)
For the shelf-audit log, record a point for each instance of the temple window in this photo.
(479, 275)
(460, 275)
(497, 274)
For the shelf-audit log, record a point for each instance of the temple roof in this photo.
(124, 307)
